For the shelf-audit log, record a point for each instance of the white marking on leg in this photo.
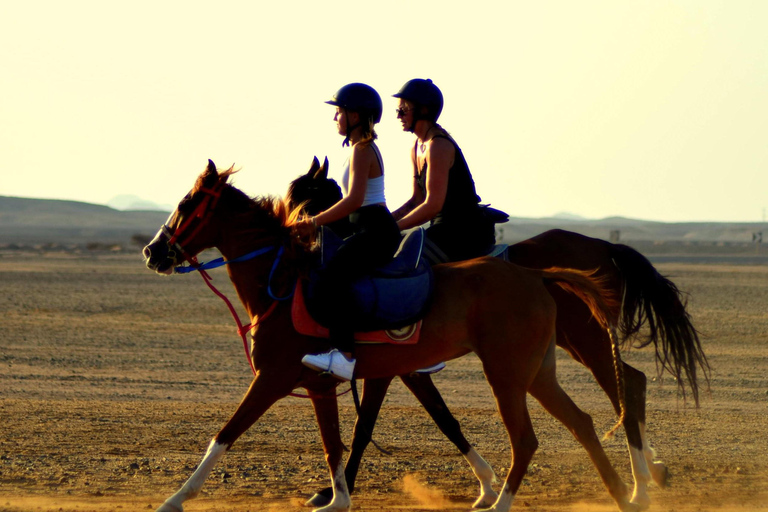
(194, 483)
(658, 469)
(485, 475)
(341, 500)
(641, 475)
(504, 503)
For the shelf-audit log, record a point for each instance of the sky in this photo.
(651, 110)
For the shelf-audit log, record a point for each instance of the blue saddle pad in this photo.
(393, 296)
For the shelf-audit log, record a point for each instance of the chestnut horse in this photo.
(501, 312)
(649, 298)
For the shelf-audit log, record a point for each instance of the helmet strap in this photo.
(351, 128)
(349, 134)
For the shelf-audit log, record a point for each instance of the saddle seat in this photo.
(389, 303)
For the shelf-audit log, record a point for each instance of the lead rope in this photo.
(243, 330)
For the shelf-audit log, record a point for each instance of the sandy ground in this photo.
(113, 381)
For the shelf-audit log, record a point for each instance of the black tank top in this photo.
(461, 200)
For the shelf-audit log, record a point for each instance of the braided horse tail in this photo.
(600, 300)
(652, 301)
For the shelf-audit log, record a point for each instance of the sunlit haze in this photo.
(652, 110)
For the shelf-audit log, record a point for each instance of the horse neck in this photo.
(251, 278)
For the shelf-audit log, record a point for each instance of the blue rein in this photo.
(220, 262)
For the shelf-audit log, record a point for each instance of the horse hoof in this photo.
(340, 507)
(486, 501)
(660, 474)
(318, 500)
(641, 502)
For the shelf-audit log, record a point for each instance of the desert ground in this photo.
(113, 380)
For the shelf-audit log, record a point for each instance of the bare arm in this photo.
(440, 155)
(360, 163)
(416, 196)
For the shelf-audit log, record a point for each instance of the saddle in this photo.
(389, 302)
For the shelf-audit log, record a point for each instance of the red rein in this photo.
(200, 213)
(242, 330)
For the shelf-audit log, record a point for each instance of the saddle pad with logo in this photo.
(305, 324)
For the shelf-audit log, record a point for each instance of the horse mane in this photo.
(264, 213)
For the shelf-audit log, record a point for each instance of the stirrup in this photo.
(431, 369)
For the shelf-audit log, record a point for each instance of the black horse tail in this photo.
(652, 300)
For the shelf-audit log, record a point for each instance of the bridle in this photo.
(201, 214)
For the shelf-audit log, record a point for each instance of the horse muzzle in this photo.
(159, 256)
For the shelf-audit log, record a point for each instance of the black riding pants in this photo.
(374, 242)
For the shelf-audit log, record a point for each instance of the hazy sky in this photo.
(655, 110)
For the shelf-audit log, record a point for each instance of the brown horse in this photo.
(498, 310)
(649, 299)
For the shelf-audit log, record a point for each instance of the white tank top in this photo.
(374, 189)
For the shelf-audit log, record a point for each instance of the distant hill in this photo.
(43, 221)
(130, 202)
(635, 230)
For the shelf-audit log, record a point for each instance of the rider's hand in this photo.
(305, 228)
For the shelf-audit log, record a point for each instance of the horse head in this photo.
(314, 191)
(191, 227)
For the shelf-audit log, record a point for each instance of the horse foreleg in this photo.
(262, 393)
(192, 486)
(327, 413)
(423, 388)
(374, 392)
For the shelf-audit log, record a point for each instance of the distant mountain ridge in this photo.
(46, 221)
(132, 203)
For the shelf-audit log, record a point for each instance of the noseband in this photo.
(201, 214)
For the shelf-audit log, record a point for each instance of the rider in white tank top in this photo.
(374, 191)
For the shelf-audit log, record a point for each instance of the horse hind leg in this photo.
(546, 389)
(635, 383)
(644, 468)
(640, 454)
(591, 345)
(423, 388)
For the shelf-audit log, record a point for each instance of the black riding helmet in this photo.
(422, 93)
(360, 98)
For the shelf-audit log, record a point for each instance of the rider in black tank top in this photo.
(458, 228)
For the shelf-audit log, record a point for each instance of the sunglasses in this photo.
(402, 111)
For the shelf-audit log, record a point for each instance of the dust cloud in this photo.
(428, 498)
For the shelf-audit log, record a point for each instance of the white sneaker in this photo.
(333, 362)
(432, 369)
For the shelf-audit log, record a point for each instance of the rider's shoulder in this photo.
(363, 151)
(440, 145)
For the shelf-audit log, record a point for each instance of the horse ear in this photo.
(322, 172)
(314, 167)
(210, 175)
